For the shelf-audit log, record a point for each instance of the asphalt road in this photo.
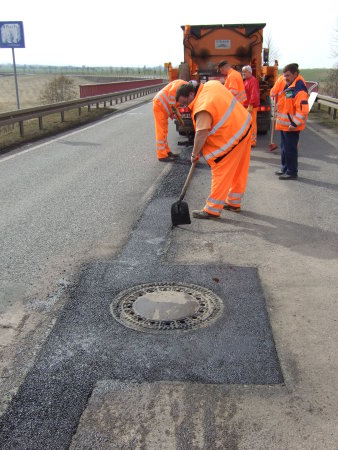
(262, 376)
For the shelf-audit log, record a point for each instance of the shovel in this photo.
(180, 210)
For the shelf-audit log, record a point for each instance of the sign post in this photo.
(12, 36)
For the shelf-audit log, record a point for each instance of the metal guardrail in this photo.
(19, 116)
(330, 102)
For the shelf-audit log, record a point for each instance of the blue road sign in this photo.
(11, 35)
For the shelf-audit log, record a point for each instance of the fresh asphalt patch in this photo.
(87, 344)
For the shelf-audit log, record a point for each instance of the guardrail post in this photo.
(21, 128)
(40, 123)
(334, 114)
(79, 109)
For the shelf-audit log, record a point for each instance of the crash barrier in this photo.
(88, 90)
(21, 115)
(330, 102)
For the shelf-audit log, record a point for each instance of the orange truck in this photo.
(241, 44)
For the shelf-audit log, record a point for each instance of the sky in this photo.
(137, 33)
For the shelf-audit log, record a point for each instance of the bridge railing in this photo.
(21, 115)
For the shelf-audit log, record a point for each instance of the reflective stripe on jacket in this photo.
(293, 106)
(234, 82)
(167, 95)
(230, 120)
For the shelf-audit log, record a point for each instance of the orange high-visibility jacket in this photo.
(278, 86)
(167, 95)
(293, 106)
(230, 120)
(234, 82)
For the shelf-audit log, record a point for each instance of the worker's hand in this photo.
(250, 108)
(194, 158)
(292, 128)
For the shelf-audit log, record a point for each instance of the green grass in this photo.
(322, 117)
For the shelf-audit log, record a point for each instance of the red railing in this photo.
(89, 90)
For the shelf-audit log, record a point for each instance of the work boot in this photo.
(203, 215)
(286, 176)
(232, 208)
(279, 172)
(170, 157)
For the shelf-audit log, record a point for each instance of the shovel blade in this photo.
(180, 213)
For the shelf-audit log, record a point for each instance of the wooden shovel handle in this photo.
(187, 181)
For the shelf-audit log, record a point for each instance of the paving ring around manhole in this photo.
(167, 306)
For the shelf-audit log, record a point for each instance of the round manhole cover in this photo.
(166, 307)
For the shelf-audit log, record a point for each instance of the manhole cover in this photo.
(166, 306)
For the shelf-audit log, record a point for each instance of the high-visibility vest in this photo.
(167, 95)
(234, 82)
(293, 106)
(230, 120)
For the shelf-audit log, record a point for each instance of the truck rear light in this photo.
(264, 108)
(183, 109)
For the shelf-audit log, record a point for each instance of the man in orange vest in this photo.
(252, 102)
(162, 103)
(233, 81)
(223, 135)
(292, 112)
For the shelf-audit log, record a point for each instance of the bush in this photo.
(61, 89)
(331, 87)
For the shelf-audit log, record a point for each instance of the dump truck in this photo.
(207, 45)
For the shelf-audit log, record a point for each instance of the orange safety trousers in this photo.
(229, 178)
(254, 127)
(161, 129)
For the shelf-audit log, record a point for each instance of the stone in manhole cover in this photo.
(166, 306)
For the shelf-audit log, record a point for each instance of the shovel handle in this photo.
(187, 181)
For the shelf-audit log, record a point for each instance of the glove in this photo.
(250, 108)
(194, 158)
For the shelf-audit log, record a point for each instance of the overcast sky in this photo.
(148, 33)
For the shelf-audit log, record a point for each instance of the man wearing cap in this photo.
(233, 81)
(162, 108)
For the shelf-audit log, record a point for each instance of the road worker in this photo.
(223, 135)
(162, 103)
(292, 112)
(252, 99)
(233, 81)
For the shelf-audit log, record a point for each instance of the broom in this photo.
(273, 146)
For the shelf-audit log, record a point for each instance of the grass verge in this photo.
(10, 135)
(323, 118)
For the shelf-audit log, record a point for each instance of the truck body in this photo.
(205, 46)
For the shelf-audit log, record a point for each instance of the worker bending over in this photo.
(252, 99)
(162, 103)
(292, 112)
(233, 81)
(223, 135)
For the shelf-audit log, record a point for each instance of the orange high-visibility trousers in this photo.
(254, 127)
(229, 178)
(161, 129)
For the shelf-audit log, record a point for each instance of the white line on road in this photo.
(7, 158)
